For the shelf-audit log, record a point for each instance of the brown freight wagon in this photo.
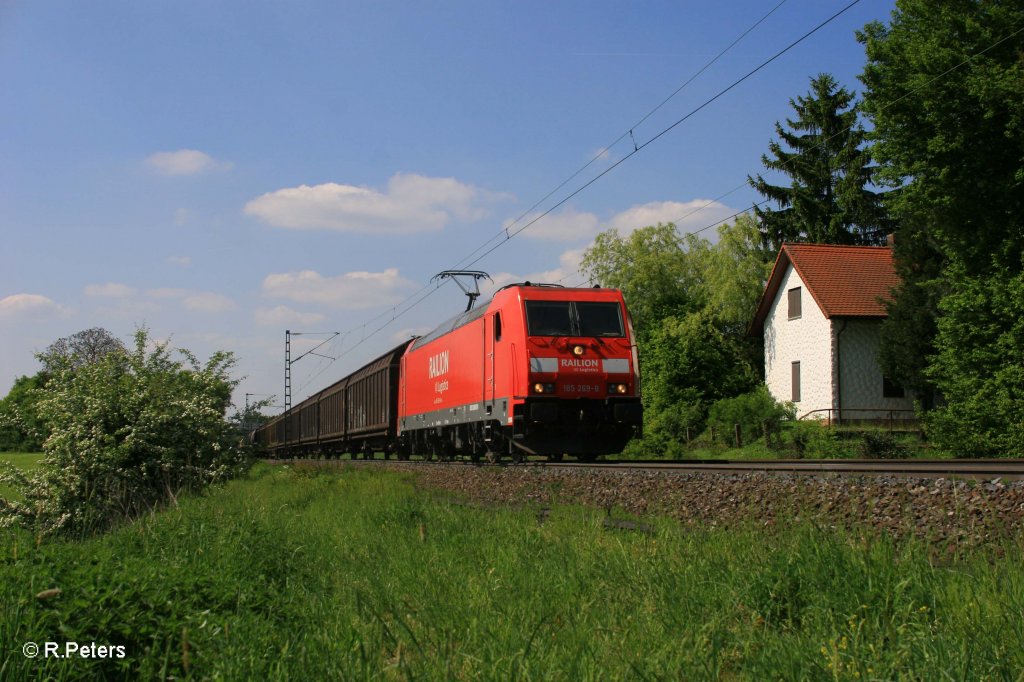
(356, 414)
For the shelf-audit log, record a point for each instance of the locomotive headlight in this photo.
(543, 388)
(618, 388)
(578, 350)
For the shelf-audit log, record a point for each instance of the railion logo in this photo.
(579, 364)
(437, 364)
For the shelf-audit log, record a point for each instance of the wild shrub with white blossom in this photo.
(129, 433)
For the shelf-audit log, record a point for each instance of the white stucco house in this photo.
(820, 315)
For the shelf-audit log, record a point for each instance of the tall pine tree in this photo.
(828, 201)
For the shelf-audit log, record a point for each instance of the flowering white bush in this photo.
(129, 433)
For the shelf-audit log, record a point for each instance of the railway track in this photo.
(984, 469)
(976, 469)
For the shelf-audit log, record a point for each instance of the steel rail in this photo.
(1009, 469)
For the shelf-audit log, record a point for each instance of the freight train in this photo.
(538, 370)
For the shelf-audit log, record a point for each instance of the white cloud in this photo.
(17, 305)
(566, 225)
(573, 225)
(688, 216)
(208, 302)
(167, 292)
(183, 261)
(199, 301)
(185, 162)
(353, 290)
(283, 316)
(109, 290)
(411, 203)
(565, 274)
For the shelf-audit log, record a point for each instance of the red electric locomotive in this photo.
(540, 369)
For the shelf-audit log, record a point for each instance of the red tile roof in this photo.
(845, 281)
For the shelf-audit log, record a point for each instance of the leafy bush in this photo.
(753, 411)
(811, 438)
(878, 445)
(666, 427)
(129, 432)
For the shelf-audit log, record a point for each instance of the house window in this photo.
(794, 303)
(796, 382)
(891, 389)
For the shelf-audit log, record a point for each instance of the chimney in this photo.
(890, 239)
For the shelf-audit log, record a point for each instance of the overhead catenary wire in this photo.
(511, 234)
(823, 142)
(628, 133)
(595, 158)
(671, 127)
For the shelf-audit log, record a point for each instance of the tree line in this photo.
(940, 166)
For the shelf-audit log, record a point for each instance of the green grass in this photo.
(26, 461)
(310, 574)
(23, 460)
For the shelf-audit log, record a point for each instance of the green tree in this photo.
(654, 267)
(21, 430)
(736, 269)
(830, 168)
(246, 419)
(688, 363)
(945, 91)
(80, 348)
(691, 301)
(907, 335)
(129, 433)
(980, 366)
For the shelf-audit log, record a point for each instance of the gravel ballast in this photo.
(948, 512)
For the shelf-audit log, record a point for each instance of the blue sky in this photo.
(222, 171)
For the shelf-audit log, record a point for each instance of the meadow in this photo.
(313, 573)
(26, 461)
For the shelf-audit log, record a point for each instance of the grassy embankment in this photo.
(357, 575)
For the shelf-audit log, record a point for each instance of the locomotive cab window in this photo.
(580, 318)
(549, 318)
(599, 319)
(497, 327)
